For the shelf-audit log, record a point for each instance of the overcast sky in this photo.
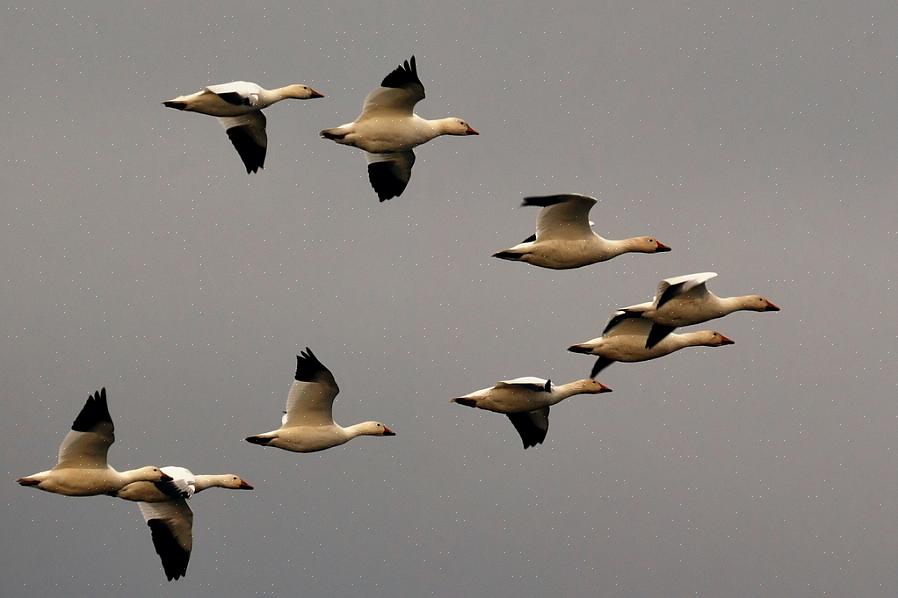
(757, 139)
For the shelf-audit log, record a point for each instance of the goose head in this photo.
(457, 126)
(712, 338)
(648, 245)
(301, 92)
(152, 474)
(590, 386)
(235, 482)
(758, 303)
(373, 428)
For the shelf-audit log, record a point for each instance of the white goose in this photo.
(238, 106)
(684, 301)
(164, 508)
(308, 422)
(81, 468)
(526, 402)
(564, 237)
(625, 341)
(388, 129)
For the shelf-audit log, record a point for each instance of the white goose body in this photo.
(564, 237)
(81, 468)
(526, 402)
(685, 301)
(388, 129)
(626, 340)
(170, 519)
(238, 106)
(308, 424)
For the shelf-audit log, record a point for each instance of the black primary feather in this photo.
(618, 318)
(252, 154)
(657, 334)
(544, 201)
(530, 239)
(668, 294)
(308, 367)
(404, 75)
(232, 97)
(174, 557)
(386, 179)
(531, 434)
(95, 411)
(601, 364)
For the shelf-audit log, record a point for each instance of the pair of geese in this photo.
(162, 492)
(387, 129)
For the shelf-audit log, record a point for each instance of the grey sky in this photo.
(756, 139)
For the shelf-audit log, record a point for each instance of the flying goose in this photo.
(526, 402)
(238, 106)
(81, 468)
(564, 237)
(308, 422)
(684, 301)
(388, 129)
(165, 510)
(625, 341)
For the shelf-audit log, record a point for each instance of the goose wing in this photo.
(563, 217)
(171, 525)
(397, 95)
(92, 433)
(239, 93)
(247, 133)
(527, 382)
(680, 285)
(310, 401)
(389, 174)
(531, 425)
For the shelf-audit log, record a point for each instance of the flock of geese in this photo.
(388, 130)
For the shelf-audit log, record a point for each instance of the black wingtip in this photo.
(404, 74)
(174, 558)
(95, 411)
(601, 364)
(544, 201)
(657, 334)
(250, 152)
(308, 366)
(385, 180)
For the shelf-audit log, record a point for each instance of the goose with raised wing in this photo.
(685, 301)
(388, 129)
(238, 106)
(564, 237)
(167, 514)
(308, 422)
(81, 468)
(625, 341)
(526, 401)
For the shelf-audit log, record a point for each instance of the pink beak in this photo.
(771, 306)
(316, 94)
(471, 131)
(725, 341)
(244, 485)
(389, 432)
(662, 247)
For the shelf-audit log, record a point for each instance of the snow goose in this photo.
(164, 508)
(238, 106)
(526, 402)
(388, 129)
(564, 237)
(81, 468)
(684, 301)
(625, 341)
(308, 422)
